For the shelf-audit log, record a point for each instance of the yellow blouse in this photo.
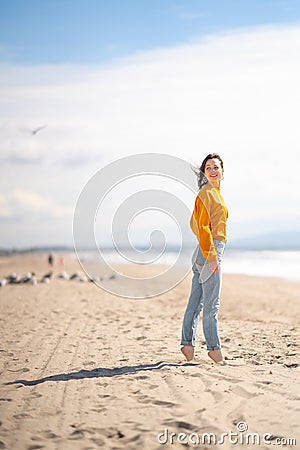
(208, 220)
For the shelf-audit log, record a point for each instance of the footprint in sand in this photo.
(242, 392)
(166, 404)
(77, 434)
(142, 377)
(99, 410)
(143, 399)
(239, 419)
(24, 369)
(99, 442)
(110, 433)
(35, 447)
(180, 425)
(258, 384)
(48, 434)
(22, 416)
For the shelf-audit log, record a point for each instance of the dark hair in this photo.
(199, 171)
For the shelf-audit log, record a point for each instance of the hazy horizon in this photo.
(266, 241)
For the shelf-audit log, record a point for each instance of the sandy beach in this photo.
(84, 369)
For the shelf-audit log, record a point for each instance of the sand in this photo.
(84, 369)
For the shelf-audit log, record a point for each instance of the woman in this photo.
(208, 223)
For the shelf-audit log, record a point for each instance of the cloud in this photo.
(81, 158)
(21, 205)
(236, 93)
(240, 82)
(182, 13)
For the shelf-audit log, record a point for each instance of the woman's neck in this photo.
(217, 185)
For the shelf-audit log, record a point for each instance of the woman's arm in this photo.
(201, 226)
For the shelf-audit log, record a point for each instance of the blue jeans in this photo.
(204, 296)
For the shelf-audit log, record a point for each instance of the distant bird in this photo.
(46, 278)
(113, 276)
(109, 277)
(95, 279)
(83, 279)
(48, 275)
(36, 130)
(33, 131)
(63, 275)
(3, 282)
(75, 275)
(13, 278)
(33, 280)
(28, 277)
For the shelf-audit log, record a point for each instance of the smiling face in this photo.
(213, 171)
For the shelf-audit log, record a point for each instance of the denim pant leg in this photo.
(211, 301)
(205, 294)
(194, 306)
(191, 316)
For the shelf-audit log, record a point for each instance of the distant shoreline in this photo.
(280, 264)
(8, 251)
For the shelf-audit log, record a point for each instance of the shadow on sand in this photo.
(100, 372)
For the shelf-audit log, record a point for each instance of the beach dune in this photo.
(84, 369)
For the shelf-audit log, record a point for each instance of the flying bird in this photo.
(36, 130)
(33, 131)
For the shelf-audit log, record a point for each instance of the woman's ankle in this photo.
(216, 355)
(188, 352)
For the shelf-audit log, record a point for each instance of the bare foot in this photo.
(188, 351)
(217, 357)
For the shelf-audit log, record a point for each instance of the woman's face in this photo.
(213, 171)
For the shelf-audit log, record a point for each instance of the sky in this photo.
(114, 79)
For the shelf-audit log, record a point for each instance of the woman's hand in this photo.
(214, 266)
